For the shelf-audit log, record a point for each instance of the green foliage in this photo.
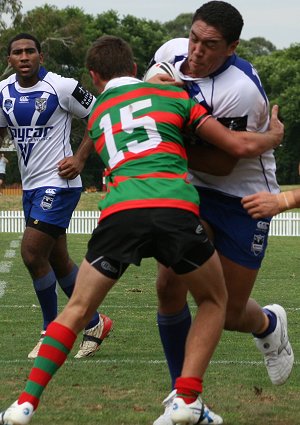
(180, 26)
(256, 46)
(280, 74)
(9, 7)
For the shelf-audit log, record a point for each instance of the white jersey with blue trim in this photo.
(233, 95)
(39, 121)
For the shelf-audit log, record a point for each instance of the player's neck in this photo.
(28, 82)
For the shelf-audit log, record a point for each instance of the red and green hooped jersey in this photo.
(137, 131)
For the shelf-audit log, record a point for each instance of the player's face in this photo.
(207, 50)
(25, 60)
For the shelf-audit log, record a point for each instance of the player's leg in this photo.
(268, 325)
(207, 286)
(36, 247)
(173, 318)
(90, 290)
(66, 271)
(197, 250)
(241, 243)
(47, 217)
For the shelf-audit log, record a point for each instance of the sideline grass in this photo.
(126, 381)
(87, 202)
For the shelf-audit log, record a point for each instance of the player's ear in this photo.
(232, 47)
(134, 69)
(95, 77)
(98, 82)
(41, 58)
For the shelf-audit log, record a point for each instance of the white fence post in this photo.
(84, 222)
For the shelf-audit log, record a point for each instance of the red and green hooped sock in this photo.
(57, 344)
(188, 388)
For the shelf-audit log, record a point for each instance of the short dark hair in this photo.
(110, 57)
(26, 36)
(222, 16)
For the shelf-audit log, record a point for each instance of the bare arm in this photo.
(265, 204)
(71, 167)
(210, 160)
(242, 144)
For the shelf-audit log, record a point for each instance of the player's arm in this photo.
(210, 160)
(71, 167)
(242, 144)
(265, 204)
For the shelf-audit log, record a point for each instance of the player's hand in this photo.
(70, 167)
(164, 79)
(276, 127)
(262, 204)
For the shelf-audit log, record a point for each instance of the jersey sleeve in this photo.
(75, 98)
(169, 50)
(3, 122)
(198, 114)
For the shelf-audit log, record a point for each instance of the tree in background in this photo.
(280, 74)
(11, 8)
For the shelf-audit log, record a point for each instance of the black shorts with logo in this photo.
(173, 236)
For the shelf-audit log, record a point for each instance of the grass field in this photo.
(126, 381)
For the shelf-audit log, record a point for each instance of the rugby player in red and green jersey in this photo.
(150, 210)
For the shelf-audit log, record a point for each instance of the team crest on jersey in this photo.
(40, 104)
(8, 105)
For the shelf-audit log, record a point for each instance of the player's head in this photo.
(222, 16)
(24, 36)
(25, 57)
(110, 57)
(214, 37)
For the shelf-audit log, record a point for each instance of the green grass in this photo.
(88, 202)
(126, 381)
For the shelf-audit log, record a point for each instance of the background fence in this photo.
(84, 222)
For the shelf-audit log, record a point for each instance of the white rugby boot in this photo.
(276, 348)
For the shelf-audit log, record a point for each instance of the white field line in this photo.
(5, 266)
(10, 253)
(125, 307)
(148, 362)
(2, 287)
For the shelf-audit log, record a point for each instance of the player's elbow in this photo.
(246, 151)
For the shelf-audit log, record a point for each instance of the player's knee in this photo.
(33, 260)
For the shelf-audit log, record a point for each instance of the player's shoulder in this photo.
(60, 83)
(172, 48)
(248, 75)
(7, 81)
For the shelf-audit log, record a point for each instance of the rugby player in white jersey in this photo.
(36, 109)
(230, 89)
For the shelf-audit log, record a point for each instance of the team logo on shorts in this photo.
(258, 244)
(199, 229)
(48, 198)
(263, 226)
(40, 104)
